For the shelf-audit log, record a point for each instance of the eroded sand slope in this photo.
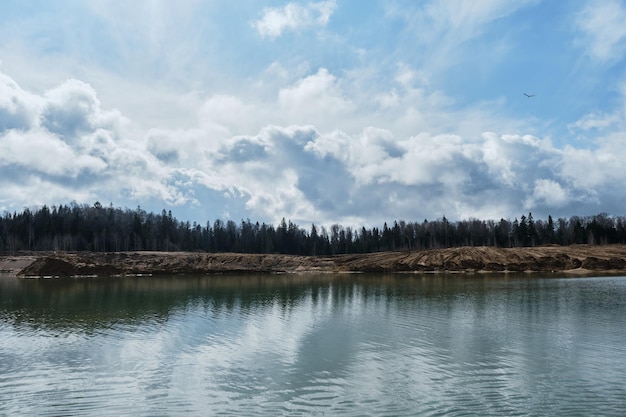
(577, 258)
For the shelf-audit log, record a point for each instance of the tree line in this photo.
(97, 228)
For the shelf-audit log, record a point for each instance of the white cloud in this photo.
(293, 16)
(388, 100)
(405, 78)
(595, 121)
(231, 114)
(70, 109)
(603, 29)
(343, 159)
(267, 169)
(64, 142)
(381, 117)
(39, 150)
(604, 123)
(500, 166)
(467, 16)
(33, 190)
(444, 27)
(595, 169)
(154, 25)
(18, 108)
(314, 99)
(599, 165)
(548, 192)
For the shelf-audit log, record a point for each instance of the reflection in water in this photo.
(313, 344)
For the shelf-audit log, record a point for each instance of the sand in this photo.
(576, 259)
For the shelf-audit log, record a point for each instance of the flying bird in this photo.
(529, 95)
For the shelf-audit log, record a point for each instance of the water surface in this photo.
(380, 345)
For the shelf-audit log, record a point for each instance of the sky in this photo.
(333, 111)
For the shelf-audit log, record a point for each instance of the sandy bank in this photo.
(571, 259)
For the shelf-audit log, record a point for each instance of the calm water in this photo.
(313, 345)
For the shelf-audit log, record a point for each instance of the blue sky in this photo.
(317, 111)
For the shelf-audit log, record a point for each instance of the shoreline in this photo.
(571, 260)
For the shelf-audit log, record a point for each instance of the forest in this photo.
(96, 228)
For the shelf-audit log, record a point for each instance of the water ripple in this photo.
(368, 347)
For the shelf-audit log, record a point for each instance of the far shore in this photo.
(576, 259)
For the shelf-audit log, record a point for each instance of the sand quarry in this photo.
(576, 259)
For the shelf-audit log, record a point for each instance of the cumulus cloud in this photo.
(317, 169)
(440, 173)
(69, 109)
(294, 16)
(44, 152)
(594, 169)
(315, 97)
(548, 192)
(18, 108)
(382, 120)
(301, 173)
(66, 144)
(228, 115)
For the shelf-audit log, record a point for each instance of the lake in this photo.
(325, 345)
